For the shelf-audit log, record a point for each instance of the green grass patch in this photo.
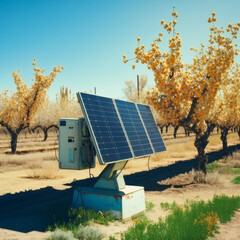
(72, 218)
(224, 169)
(149, 206)
(191, 221)
(212, 167)
(236, 170)
(236, 180)
(168, 206)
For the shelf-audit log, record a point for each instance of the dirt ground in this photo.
(25, 202)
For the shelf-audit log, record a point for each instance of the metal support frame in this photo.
(111, 177)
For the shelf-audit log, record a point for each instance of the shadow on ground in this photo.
(33, 210)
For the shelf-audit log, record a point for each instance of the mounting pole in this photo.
(138, 86)
(111, 177)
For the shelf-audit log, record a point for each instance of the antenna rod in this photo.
(95, 90)
(138, 85)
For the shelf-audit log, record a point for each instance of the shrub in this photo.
(198, 176)
(213, 178)
(88, 233)
(61, 235)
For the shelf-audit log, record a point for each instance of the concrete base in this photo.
(121, 204)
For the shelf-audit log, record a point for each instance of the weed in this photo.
(149, 206)
(213, 178)
(198, 176)
(61, 235)
(75, 217)
(141, 218)
(167, 206)
(112, 238)
(236, 180)
(88, 233)
(192, 221)
(48, 170)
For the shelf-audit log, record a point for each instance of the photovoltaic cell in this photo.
(106, 128)
(134, 128)
(151, 127)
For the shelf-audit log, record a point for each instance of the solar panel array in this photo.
(121, 130)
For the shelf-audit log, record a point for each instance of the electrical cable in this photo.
(149, 162)
(90, 174)
(56, 148)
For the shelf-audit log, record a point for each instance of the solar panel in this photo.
(152, 129)
(120, 130)
(105, 127)
(134, 128)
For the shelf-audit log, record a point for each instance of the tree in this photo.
(19, 108)
(45, 118)
(225, 112)
(184, 94)
(65, 106)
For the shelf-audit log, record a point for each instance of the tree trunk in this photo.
(14, 138)
(200, 143)
(45, 131)
(167, 128)
(161, 129)
(224, 133)
(187, 131)
(175, 131)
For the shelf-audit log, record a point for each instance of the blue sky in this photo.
(89, 37)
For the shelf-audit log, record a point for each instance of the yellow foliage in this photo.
(176, 84)
(19, 108)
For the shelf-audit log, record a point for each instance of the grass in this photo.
(236, 180)
(88, 233)
(149, 206)
(212, 177)
(72, 218)
(167, 206)
(9, 162)
(47, 170)
(81, 233)
(222, 168)
(192, 221)
(61, 235)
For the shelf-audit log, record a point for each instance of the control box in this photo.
(76, 150)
